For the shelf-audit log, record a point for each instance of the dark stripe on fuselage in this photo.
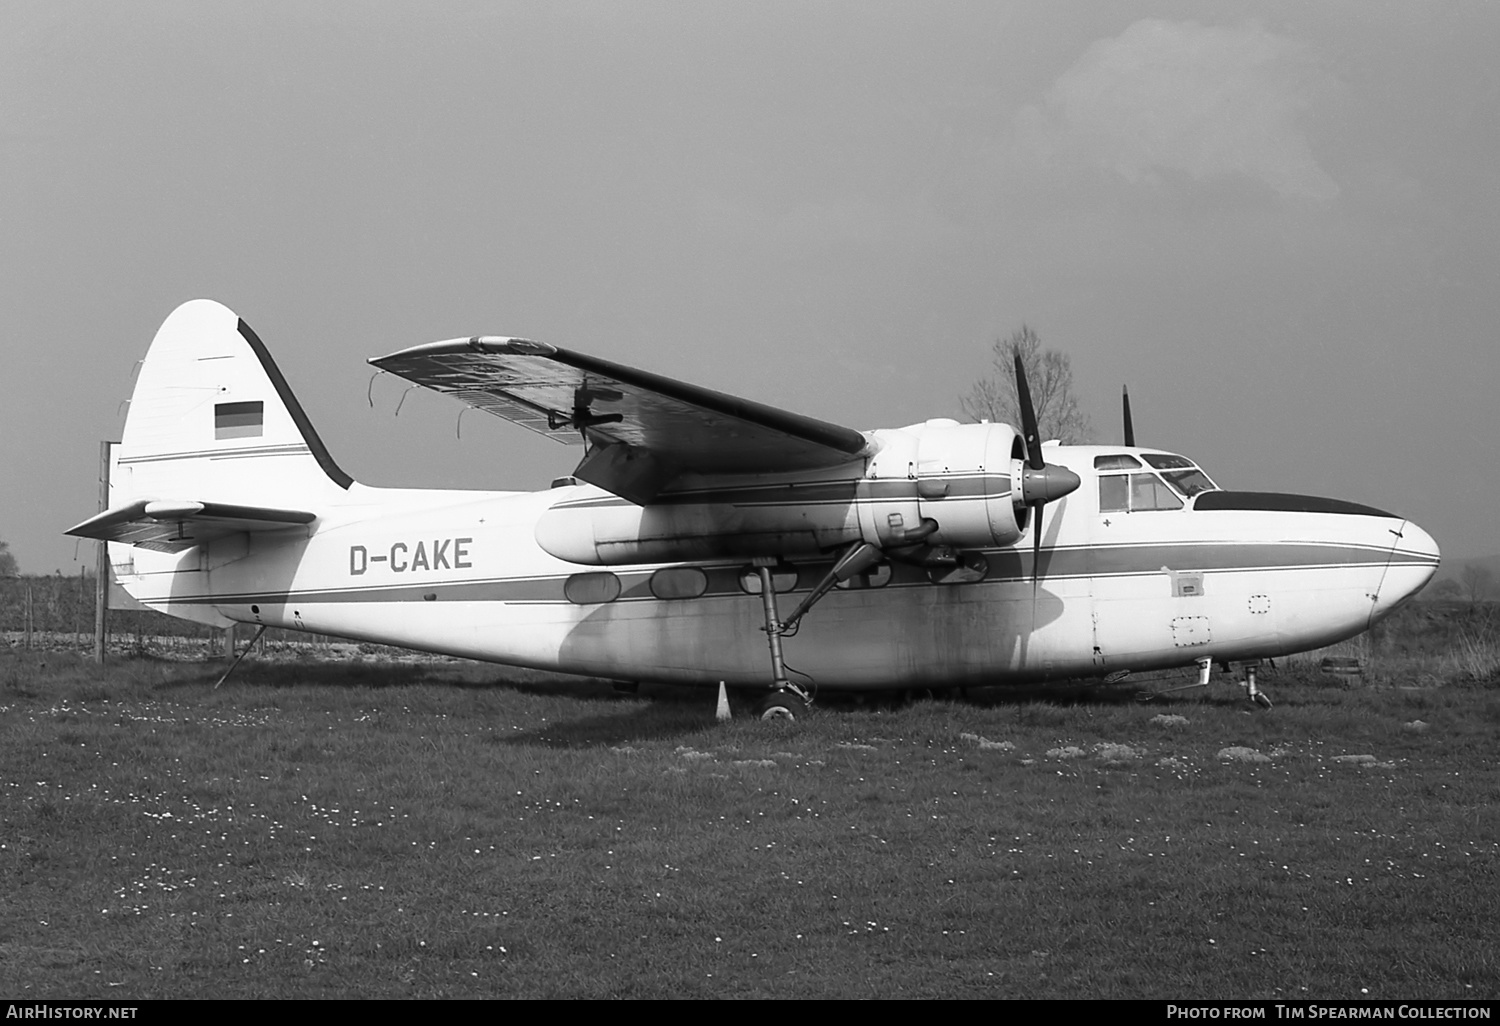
(1005, 566)
(1125, 560)
(986, 486)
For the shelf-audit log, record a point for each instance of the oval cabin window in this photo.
(592, 589)
(679, 582)
(877, 576)
(783, 578)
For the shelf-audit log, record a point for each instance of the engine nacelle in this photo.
(790, 515)
(937, 483)
(969, 481)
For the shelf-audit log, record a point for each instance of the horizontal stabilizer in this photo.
(173, 525)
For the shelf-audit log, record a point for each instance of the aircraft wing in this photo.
(644, 430)
(172, 526)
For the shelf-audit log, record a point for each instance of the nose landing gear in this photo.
(1251, 691)
(1205, 676)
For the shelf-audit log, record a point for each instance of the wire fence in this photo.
(56, 613)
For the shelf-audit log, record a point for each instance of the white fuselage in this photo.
(462, 573)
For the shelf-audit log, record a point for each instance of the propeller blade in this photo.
(1040, 482)
(1036, 549)
(1029, 429)
(1129, 427)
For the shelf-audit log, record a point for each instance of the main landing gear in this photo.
(786, 701)
(789, 703)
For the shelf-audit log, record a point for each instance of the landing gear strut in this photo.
(786, 701)
(1251, 691)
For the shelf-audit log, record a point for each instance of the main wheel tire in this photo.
(781, 705)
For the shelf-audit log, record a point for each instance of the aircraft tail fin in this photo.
(212, 418)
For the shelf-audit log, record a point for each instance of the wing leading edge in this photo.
(643, 430)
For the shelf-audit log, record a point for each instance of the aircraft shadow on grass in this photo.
(651, 721)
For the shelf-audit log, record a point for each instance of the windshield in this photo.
(1177, 479)
(1189, 483)
(1134, 493)
(1181, 473)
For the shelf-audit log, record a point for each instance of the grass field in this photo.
(366, 830)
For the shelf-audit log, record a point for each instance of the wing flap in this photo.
(175, 525)
(646, 429)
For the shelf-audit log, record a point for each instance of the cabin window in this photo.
(877, 576)
(679, 582)
(783, 578)
(592, 589)
(1168, 461)
(1116, 461)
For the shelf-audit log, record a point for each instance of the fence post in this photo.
(101, 568)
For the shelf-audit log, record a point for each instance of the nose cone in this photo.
(1413, 562)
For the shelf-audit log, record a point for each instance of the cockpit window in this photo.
(1117, 461)
(1134, 493)
(1148, 492)
(1181, 473)
(1189, 482)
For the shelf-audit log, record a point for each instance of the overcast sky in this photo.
(1279, 223)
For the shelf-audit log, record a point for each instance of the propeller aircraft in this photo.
(934, 555)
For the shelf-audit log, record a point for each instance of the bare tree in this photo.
(8, 565)
(1476, 580)
(1049, 376)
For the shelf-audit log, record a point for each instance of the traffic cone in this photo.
(722, 712)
